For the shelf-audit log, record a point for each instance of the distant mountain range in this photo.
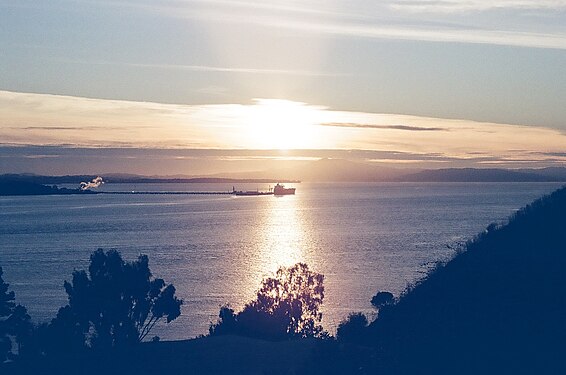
(486, 175)
(12, 187)
(323, 170)
(131, 178)
(340, 170)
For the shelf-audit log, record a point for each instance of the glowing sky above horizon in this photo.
(459, 79)
(265, 124)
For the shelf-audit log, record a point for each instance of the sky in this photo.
(403, 82)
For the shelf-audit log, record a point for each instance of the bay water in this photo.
(216, 249)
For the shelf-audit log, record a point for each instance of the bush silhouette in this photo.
(286, 305)
(382, 299)
(14, 321)
(352, 328)
(116, 303)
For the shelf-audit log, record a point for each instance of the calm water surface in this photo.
(216, 249)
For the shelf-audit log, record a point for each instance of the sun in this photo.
(282, 124)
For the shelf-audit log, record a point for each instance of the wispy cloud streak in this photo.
(453, 6)
(473, 21)
(208, 68)
(470, 34)
(392, 127)
(477, 21)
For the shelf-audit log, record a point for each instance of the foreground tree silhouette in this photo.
(286, 305)
(116, 303)
(14, 321)
(6, 307)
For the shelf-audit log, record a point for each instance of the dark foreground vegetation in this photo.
(287, 306)
(499, 307)
(112, 307)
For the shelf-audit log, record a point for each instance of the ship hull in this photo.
(280, 190)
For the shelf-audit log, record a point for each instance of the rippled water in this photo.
(216, 249)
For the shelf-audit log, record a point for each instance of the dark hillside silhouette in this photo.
(497, 308)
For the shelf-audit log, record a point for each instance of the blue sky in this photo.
(495, 62)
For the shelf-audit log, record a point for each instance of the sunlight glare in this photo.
(282, 124)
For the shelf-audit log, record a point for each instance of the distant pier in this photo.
(278, 190)
(166, 192)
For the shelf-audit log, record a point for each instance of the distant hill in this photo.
(193, 180)
(14, 187)
(557, 173)
(341, 170)
(50, 180)
(132, 178)
(323, 170)
(497, 308)
(486, 175)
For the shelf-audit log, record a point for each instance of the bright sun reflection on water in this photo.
(282, 235)
(281, 240)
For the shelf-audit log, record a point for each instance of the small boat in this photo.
(282, 190)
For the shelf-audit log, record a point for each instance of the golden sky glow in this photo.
(37, 119)
(499, 61)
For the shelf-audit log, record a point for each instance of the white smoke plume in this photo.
(91, 185)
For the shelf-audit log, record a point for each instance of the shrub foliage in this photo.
(113, 304)
(14, 321)
(286, 305)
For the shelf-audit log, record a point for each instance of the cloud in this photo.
(453, 21)
(49, 128)
(209, 68)
(556, 154)
(498, 22)
(351, 9)
(471, 35)
(453, 6)
(82, 128)
(392, 127)
(260, 125)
